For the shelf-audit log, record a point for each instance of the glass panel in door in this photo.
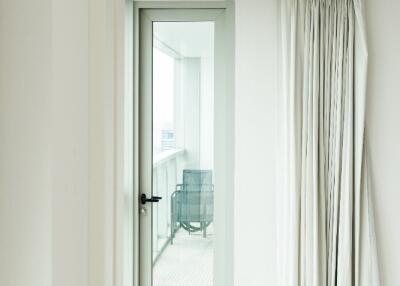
(183, 153)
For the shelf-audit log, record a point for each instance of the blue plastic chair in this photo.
(193, 202)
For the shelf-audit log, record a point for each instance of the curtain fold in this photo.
(325, 229)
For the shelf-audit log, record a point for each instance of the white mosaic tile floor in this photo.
(187, 262)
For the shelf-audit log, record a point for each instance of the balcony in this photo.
(190, 258)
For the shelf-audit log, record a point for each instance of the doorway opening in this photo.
(183, 167)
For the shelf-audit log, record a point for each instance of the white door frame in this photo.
(222, 13)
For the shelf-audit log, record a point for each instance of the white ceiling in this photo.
(188, 39)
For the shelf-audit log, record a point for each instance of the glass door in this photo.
(176, 153)
(183, 123)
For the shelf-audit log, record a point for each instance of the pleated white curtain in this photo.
(325, 229)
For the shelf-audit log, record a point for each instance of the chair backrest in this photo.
(197, 180)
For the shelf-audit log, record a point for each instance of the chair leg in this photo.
(173, 226)
(172, 234)
(204, 230)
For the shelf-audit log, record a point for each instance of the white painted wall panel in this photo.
(255, 119)
(383, 131)
(69, 136)
(25, 134)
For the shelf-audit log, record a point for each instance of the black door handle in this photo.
(153, 199)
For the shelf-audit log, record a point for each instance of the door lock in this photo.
(153, 199)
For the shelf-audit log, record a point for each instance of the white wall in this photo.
(256, 82)
(103, 96)
(25, 154)
(190, 97)
(56, 141)
(44, 142)
(207, 112)
(383, 131)
(70, 101)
